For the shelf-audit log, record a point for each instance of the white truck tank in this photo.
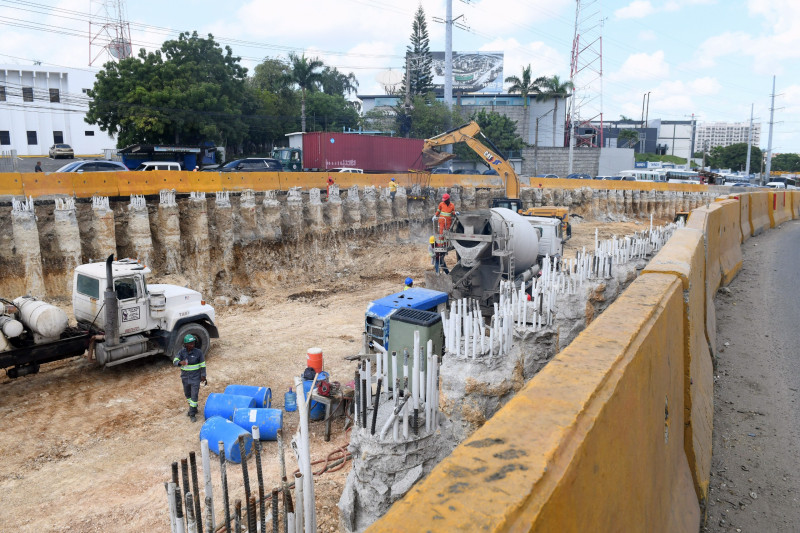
(45, 320)
(497, 228)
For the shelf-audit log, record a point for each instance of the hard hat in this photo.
(189, 338)
(445, 196)
(432, 239)
(409, 281)
(392, 179)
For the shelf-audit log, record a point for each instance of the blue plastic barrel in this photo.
(323, 376)
(290, 401)
(269, 421)
(262, 395)
(218, 404)
(317, 409)
(217, 429)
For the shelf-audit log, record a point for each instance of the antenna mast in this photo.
(109, 31)
(586, 75)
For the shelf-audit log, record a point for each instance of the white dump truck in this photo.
(119, 318)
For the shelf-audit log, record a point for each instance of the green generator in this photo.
(402, 325)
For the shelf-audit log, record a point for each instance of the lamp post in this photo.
(536, 144)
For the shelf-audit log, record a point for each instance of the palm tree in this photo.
(553, 88)
(305, 73)
(524, 87)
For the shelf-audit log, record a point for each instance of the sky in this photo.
(707, 58)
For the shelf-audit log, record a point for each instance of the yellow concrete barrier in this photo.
(780, 210)
(701, 220)
(593, 443)
(795, 204)
(759, 211)
(11, 184)
(684, 256)
(38, 184)
(88, 184)
(744, 214)
(730, 240)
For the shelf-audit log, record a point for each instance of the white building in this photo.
(41, 106)
(711, 134)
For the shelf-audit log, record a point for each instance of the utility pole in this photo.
(749, 143)
(765, 178)
(448, 56)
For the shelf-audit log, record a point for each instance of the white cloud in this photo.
(647, 35)
(635, 10)
(544, 60)
(641, 67)
(705, 86)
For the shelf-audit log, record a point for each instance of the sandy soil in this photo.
(88, 450)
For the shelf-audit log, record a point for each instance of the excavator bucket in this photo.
(431, 158)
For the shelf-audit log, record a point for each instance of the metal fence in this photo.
(9, 162)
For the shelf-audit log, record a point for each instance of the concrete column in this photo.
(384, 206)
(400, 204)
(468, 198)
(619, 202)
(314, 212)
(102, 240)
(68, 237)
(333, 209)
(271, 230)
(167, 234)
(636, 203)
(416, 204)
(26, 245)
(222, 240)
(294, 211)
(196, 250)
(352, 208)
(141, 242)
(548, 198)
(455, 197)
(482, 199)
(369, 207)
(246, 226)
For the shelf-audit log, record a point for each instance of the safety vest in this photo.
(445, 210)
(392, 187)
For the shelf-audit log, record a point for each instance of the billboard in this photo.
(473, 72)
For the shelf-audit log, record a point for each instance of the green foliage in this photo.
(499, 129)
(418, 53)
(627, 137)
(734, 157)
(784, 162)
(525, 85)
(272, 75)
(663, 158)
(335, 83)
(306, 75)
(427, 117)
(326, 112)
(188, 92)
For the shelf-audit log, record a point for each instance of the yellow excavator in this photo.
(468, 133)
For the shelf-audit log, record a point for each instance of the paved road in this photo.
(27, 164)
(755, 479)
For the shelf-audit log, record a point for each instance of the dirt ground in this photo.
(89, 450)
(755, 484)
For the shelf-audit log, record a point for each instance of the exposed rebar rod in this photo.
(283, 478)
(179, 521)
(245, 476)
(196, 491)
(191, 522)
(252, 518)
(209, 515)
(274, 513)
(237, 524)
(260, 476)
(223, 472)
(375, 406)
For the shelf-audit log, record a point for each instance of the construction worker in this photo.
(435, 248)
(193, 371)
(409, 284)
(328, 190)
(444, 213)
(392, 189)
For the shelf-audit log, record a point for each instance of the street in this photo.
(754, 475)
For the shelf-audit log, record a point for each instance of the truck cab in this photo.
(551, 236)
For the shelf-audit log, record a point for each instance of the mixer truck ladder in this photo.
(501, 249)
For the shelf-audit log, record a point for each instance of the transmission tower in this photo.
(586, 74)
(109, 31)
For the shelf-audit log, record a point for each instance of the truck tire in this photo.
(203, 342)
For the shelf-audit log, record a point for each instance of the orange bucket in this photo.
(314, 359)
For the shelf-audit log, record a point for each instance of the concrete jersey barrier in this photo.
(730, 240)
(759, 212)
(779, 208)
(594, 442)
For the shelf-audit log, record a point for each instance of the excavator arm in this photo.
(468, 134)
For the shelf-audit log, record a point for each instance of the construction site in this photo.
(89, 443)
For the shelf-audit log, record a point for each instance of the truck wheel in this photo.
(203, 342)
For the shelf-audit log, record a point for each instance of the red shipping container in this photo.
(371, 153)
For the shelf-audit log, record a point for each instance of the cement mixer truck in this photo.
(119, 318)
(493, 245)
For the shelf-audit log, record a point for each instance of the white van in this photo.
(158, 165)
(346, 169)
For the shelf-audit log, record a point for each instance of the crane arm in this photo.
(467, 134)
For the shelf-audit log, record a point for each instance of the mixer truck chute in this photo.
(119, 318)
(470, 134)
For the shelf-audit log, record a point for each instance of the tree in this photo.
(525, 86)
(189, 91)
(272, 75)
(499, 129)
(330, 112)
(627, 138)
(305, 74)
(336, 83)
(786, 162)
(553, 88)
(428, 117)
(419, 77)
(733, 157)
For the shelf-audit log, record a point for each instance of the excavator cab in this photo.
(514, 204)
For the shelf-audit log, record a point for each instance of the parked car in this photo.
(93, 166)
(61, 150)
(577, 176)
(441, 170)
(158, 165)
(462, 171)
(548, 176)
(253, 164)
(490, 172)
(347, 169)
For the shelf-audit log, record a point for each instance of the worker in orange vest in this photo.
(444, 213)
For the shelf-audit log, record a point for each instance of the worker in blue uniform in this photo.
(193, 372)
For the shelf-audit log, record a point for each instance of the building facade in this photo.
(41, 106)
(711, 134)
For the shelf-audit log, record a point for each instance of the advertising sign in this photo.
(473, 72)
